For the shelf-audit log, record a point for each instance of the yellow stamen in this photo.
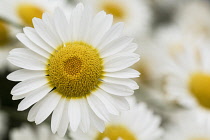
(4, 34)
(74, 70)
(116, 9)
(27, 12)
(199, 86)
(113, 132)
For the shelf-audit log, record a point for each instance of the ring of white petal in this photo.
(75, 69)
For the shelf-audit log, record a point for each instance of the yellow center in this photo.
(27, 12)
(74, 70)
(4, 34)
(113, 132)
(114, 8)
(199, 85)
(199, 138)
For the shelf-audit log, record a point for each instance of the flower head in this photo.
(77, 70)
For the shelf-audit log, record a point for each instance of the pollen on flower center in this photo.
(75, 69)
(4, 34)
(115, 9)
(73, 65)
(27, 12)
(113, 132)
(199, 87)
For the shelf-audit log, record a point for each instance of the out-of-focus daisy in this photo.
(189, 126)
(188, 15)
(78, 70)
(27, 132)
(3, 124)
(7, 42)
(134, 13)
(189, 78)
(22, 11)
(139, 123)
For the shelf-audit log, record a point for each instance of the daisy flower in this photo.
(22, 11)
(27, 132)
(189, 78)
(139, 123)
(189, 126)
(135, 14)
(192, 11)
(76, 70)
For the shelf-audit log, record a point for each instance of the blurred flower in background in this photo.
(28, 132)
(127, 11)
(171, 36)
(128, 126)
(7, 42)
(186, 125)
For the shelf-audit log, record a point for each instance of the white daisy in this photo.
(188, 15)
(78, 70)
(189, 126)
(189, 78)
(27, 132)
(139, 123)
(22, 11)
(135, 14)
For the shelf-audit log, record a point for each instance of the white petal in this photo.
(130, 48)
(122, 81)
(48, 105)
(26, 53)
(95, 25)
(85, 117)
(74, 114)
(120, 62)
(113, 33)
(61, 25)
(17, 97)
(64, 121)
(27, 63)
(23, 74)
(33, 111)
(57, 115)
(98, 107)
(101, 27)
(45, 33)
(28, 85)
(47, 19)
(125, 73)
(29, 44)
(75, 20)
(115, 46)
(118, 90)
(96, 121)
(104, 97)
(36, 39)
(33, 97)
(85, 24)
(121, 103)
